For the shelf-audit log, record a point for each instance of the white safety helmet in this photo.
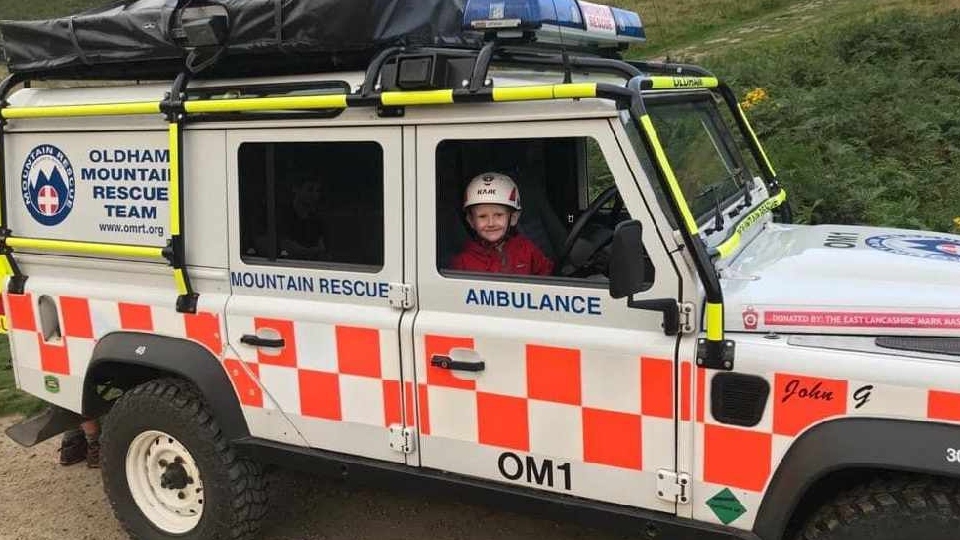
(492, 188)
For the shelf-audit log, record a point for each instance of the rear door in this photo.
(316, 244)
(574, 392)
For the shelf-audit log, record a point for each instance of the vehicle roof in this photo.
(132, 91)
(87, 92)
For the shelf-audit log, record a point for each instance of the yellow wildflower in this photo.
(956, 224)
(754, 97)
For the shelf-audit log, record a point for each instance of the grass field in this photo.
(12, 401)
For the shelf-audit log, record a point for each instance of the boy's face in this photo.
(490, 221)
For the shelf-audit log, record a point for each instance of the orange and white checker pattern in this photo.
(607, 409)
(84, 321)
(745, 459)
(323, 371)
(330, 372)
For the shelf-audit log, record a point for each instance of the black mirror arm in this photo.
(667, 306)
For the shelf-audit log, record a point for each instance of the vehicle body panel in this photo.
(844, 279)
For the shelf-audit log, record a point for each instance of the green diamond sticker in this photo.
(726, 506)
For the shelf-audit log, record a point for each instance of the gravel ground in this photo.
(44, 501)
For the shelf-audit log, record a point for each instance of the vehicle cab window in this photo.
(567, 206)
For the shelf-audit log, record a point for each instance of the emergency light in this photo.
(567, 22)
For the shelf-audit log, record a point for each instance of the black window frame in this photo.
(581, 183)
(271, 221)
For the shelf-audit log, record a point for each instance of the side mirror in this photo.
(627, 271)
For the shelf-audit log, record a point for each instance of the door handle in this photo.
(250, 339)
(445, 362)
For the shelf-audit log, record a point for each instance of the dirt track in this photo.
(43, 501)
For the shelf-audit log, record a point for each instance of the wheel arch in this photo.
(126, 359)
(837, 451)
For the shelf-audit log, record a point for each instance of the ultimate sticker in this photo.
(926, 247)
(47, 184)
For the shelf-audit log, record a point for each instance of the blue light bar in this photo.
(566, 22)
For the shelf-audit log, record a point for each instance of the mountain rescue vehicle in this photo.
(230, 270)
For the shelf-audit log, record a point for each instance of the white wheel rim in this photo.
(165, 482)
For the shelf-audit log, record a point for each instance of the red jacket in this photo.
(515, 255)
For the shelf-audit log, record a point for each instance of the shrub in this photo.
(862, 121)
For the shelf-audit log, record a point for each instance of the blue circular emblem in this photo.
(47, 185)
(939, 248)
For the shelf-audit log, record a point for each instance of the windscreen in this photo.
(704, 157)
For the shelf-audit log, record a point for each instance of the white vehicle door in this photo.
(543, 382)
(315, 244)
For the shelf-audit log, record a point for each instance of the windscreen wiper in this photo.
(745, 190)
(712, 189)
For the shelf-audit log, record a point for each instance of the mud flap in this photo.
(54, 421)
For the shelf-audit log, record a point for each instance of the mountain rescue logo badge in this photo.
(48, 185)
(938, 248)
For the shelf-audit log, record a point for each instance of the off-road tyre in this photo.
(896, 507)
(234, 488)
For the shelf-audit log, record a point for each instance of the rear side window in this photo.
(312, 203)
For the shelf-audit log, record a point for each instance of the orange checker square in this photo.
(392, 403)
(76, 317)
(247, 388)
(442, 345)
(613, 438)
(503, 421)
(701, 392)
(656, 387)
(737, 457)
(205, 328)
(285, 356)
(686, 372)
(21, 312)
(409, 403)
(801, 401)
(423, 402)
(54, 358)
(319, 394)
(553, 374)
(358, 351)
(943, 406)
(135, 317)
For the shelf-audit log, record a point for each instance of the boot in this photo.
(73, 447)
(93, 454)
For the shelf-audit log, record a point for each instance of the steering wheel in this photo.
(595, 238)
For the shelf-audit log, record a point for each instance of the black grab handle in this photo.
(250, 339)
(445, 362)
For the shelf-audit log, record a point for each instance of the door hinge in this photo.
(400, 295)
(686, 318)
(401, 439)
(673, 486)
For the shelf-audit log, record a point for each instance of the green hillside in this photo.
(863, 119)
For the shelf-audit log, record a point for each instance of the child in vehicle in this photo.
(492, 206)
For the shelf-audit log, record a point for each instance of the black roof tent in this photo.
(158, 39)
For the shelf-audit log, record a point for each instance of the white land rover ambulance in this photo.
(229, 272)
